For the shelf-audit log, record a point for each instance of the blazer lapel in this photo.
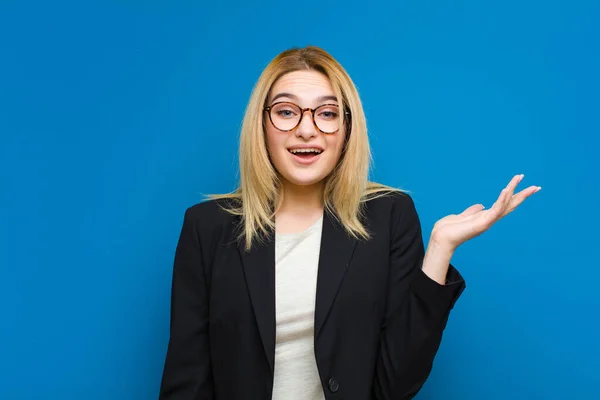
(259, 270)
(336, 251)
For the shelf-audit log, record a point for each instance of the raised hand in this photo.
(453, 230)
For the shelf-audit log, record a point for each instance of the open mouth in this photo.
(307, 153)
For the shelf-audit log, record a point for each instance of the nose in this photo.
(307, 128)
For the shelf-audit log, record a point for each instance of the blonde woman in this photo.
(309, 281)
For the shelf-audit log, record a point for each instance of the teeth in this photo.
(309, 150)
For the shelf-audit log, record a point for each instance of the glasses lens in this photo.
(327, 118)
(285, 116)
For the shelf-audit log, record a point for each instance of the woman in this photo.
(309, 281)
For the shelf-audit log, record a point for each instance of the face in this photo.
(303, 156)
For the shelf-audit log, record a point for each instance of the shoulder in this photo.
(394, 202)
(211, 209)
(392, 211)
(211, 215)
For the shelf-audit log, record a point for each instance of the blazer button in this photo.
(334, 385)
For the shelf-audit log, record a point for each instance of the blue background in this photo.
(116, 116)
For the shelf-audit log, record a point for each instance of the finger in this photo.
(510, 188)
(483, 220)
(520, 197)
(499, 204)
(505, 204)
(496, 210)
(507, 195)
(472, 210)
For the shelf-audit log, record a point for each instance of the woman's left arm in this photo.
(416, 310)
(423, 287)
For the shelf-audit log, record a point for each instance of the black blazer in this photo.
(378, 318)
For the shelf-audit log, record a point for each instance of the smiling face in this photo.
(304, 155)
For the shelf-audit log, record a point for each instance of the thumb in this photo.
(472, 210)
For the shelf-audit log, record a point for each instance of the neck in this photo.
(302, 200)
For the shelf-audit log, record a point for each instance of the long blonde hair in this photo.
(346, 188)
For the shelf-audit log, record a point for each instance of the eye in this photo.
(329, 113)
(285, 112)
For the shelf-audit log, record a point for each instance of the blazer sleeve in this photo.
(187, 369)
(417, 310)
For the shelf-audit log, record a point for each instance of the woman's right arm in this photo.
(187, 370)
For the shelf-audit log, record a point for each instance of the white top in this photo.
(296, 265)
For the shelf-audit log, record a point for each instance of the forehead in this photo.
(303, 84)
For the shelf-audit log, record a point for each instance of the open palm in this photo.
(453, 230)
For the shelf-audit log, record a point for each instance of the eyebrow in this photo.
(320, 99)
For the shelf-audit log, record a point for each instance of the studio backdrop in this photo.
(117, 116)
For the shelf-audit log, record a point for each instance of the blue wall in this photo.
(116, 116)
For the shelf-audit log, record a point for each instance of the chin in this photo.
(304, 179)
(303, 175)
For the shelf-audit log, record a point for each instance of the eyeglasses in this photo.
(286, 116)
